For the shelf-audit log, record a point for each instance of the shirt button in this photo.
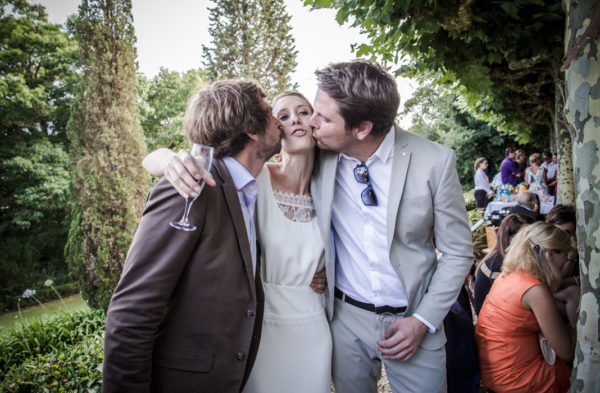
(241, 356)
(250, 314)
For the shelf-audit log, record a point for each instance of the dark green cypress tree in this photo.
(108, 183)
(251, 39)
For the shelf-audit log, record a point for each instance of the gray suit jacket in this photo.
(425, 204)
(187, 312)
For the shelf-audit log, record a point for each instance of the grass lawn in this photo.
(73, 303)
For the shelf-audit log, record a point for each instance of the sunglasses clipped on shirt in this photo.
(361, 174)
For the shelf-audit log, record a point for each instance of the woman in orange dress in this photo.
(518, 307)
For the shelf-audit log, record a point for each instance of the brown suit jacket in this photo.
(187, 312)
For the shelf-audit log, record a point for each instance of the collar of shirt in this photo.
(243, 180)
(384, 152)
(247, 190)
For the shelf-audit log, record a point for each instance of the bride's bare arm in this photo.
(180, 169)
(156, 161)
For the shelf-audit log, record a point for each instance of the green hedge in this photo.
(76, 368)
(45, 337)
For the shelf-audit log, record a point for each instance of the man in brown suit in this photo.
(186, 314)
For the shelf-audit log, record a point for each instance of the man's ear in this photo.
(253, 137)
(363, 130)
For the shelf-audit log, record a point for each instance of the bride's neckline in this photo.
(296, 198)
(294, 207)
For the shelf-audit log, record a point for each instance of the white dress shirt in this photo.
(482, 182)
(247, 191)
(363, 268)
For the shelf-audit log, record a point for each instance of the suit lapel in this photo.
(330, 163)
(399, 171)
(233, 202)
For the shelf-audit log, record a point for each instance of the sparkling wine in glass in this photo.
(204, 155)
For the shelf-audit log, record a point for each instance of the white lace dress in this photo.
(295, 347)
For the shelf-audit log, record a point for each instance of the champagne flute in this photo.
(203, 154)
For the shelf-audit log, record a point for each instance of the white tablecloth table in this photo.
(495, 205)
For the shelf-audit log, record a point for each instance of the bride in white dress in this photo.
(295, 348)
(294, 355)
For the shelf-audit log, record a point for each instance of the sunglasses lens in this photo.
(361, 174)
(368, 197)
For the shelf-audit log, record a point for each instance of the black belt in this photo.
(367, 306)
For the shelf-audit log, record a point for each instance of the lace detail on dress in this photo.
(298, 208)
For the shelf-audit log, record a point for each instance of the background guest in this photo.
(563, 216)
(489, 268)
(509, 170)
(519, 306)
(534, 174)
(549, 168)
(483, 192)
(521, 160)
(528, 204)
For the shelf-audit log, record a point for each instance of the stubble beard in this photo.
(268, 151)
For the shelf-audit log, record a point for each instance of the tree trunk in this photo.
(582, 110)
(565, 190)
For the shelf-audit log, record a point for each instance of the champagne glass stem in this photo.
(184, 223)
(186, 211)
(188, 207)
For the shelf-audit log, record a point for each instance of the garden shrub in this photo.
(469, 199)
(41, 337)
(75, 368)
(478, 236)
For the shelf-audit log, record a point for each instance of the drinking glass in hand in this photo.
(384, 320)
(204, 155)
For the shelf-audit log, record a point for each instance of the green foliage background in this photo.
(251, 39)
(107, 148)
(162, 103)
(502, 57)
(37, 64)
(436, 116)
(40, 78)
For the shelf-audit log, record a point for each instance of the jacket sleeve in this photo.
(454, 243)
(152, 268)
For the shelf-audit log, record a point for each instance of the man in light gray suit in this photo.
(386, 200)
